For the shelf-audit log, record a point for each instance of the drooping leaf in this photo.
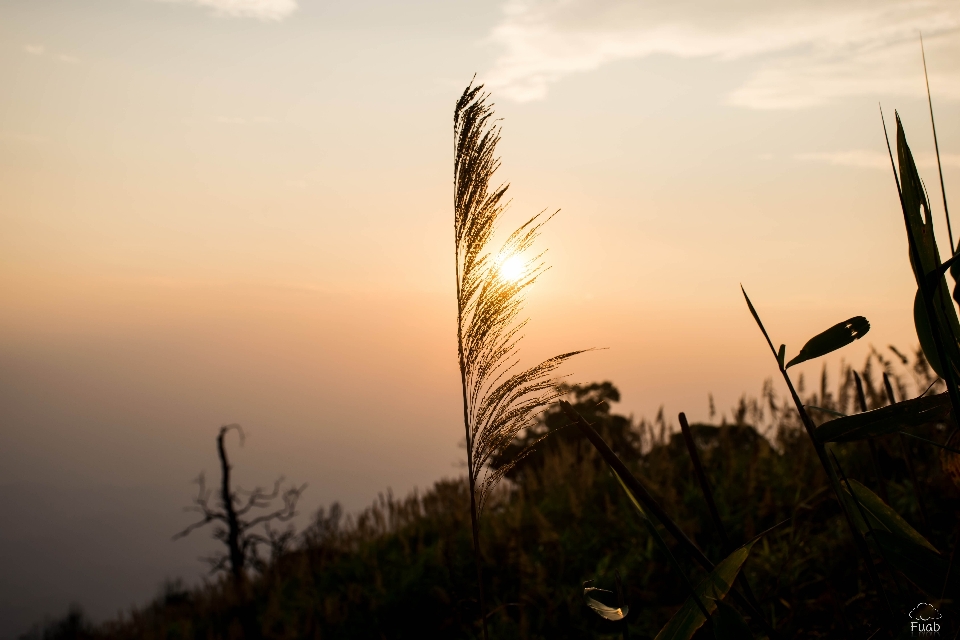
(714, 587)
(889, 419)
(837, 336)
(881, 516)
(899, 543)
(604, 611)
(728, 624)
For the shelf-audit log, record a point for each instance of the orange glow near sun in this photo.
(512, 268)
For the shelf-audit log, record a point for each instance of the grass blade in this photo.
(652, 506)
(689, 618)
(825, 463)
(663, 547)
(874, 456)
(890, 419)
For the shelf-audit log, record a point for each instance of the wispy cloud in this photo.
(68, 59)
(876, 159)
(808, 52)
(34, 49)
(272, 10)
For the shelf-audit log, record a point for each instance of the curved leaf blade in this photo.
(714, 587)
(901, 545)
(881, 516)
(837, 336)
(606, 612)
(889, 419)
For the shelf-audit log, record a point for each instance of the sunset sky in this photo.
(217, 211)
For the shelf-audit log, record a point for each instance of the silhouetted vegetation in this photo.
(403, 568)
(499, 399)
(830, 513)
(241, 535)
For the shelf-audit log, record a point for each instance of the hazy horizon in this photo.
(219, 211)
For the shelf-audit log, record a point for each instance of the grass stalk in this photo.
(499, 400)
(874, 456)
(820, 450)
(908, 457)
(702, 480)
(711, 504)
(658, 539)
(863, 516)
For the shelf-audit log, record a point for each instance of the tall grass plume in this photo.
(500, 399)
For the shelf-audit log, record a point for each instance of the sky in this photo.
(240, 211)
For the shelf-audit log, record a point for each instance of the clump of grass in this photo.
(499, 399)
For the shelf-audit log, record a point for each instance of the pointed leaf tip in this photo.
(781, 354)
(837, 336)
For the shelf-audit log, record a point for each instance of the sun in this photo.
(512, 268)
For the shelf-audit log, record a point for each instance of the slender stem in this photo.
(881, 483)
(474, 516)
(866, 521)
(704, 485)
(936, 146)
(655, 534)
(908, 456)
(711, 505)
(820, 450)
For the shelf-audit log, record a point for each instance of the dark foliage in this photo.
(403, 568)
